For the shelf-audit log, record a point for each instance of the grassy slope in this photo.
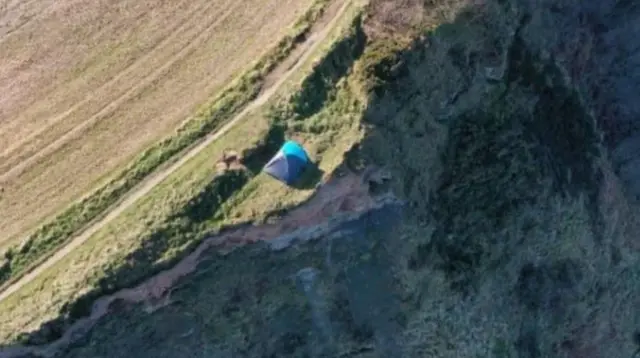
(163, 226)
(50, 236)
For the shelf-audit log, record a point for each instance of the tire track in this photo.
(180, 29)
(22, 24)
(60, 142)
(314, 40)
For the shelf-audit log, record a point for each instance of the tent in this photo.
(288, 163)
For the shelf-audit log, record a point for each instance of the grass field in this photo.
(160, 227)
(88, 85)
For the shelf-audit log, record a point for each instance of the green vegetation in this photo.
(173, 219)
(232, 308)
(502, 157)
(505, 244)
(48, 238)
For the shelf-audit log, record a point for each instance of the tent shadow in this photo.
(310, 178)
(256, 157)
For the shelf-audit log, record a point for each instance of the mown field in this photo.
(182, 210)
(88, 85)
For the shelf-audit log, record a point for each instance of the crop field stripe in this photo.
(145, 82)
(177, 30)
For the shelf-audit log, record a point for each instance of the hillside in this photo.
(475, 194)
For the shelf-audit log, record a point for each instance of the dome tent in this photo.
(288, 163)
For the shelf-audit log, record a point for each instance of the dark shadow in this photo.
(5, 270)
(309, 178)
(318, 87)
(492, 157)
(256, 157)
(209, 200)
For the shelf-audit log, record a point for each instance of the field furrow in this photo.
(132, 81)
(166, 47)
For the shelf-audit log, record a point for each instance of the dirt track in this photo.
(318, 33)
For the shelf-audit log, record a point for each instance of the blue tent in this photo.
(288, 163)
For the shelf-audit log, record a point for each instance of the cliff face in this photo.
(498, 129)
(596, 44)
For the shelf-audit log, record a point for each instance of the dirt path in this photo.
(339, 201)
(318, 33)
